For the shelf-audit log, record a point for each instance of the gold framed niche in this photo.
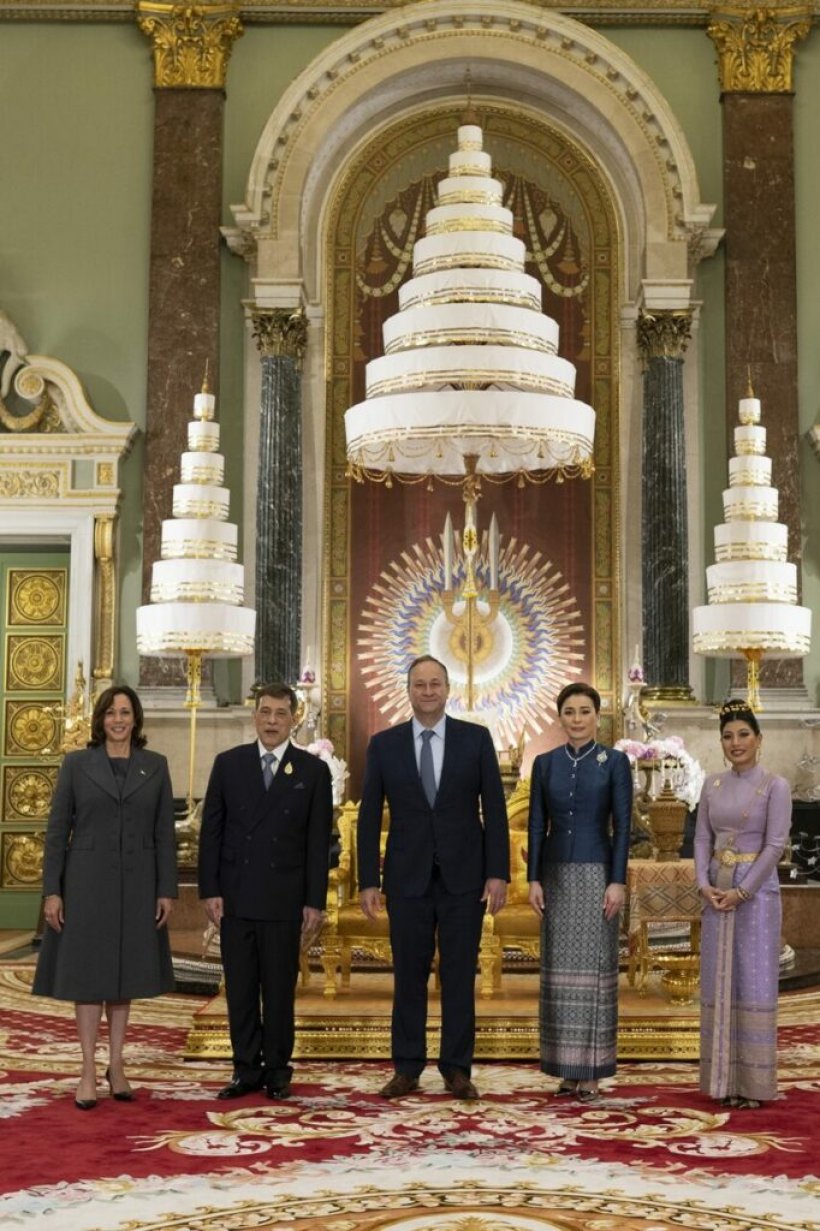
(370, 229)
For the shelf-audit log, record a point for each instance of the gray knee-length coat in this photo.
(109, 856)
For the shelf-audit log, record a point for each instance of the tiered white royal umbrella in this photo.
(470, 382)
(752, 606)
(197, 587)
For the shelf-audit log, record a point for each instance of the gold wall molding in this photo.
(41, 484)
(192, 42)
(280, 332)
(756, 46)
(353, 12)
(105, 601)
(664, 335)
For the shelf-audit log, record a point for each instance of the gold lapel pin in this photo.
(288, 768)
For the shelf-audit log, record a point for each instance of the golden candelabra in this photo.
(753, 660)
(73, 717)
(471, 620)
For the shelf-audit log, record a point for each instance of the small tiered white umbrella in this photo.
(752, 606)
(197, 587)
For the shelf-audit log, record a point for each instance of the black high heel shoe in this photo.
(85, 1104)
(122, 1096)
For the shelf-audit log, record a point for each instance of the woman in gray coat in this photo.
(109, 877)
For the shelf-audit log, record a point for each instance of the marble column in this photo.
(191, 47)
(755, 48)
(281, 335)
(662, 339)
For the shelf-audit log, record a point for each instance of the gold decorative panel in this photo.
(34, 663)
(21, 861)
(27, 791)
(37, 596)
(29, 728)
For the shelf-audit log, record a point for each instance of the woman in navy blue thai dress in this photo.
(578, 846)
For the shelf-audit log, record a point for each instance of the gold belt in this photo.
(731, 857)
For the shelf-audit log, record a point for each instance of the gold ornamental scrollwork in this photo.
(37, 597)
(22, 861)
(756, 47)
(280, 332)
(34, 663)
(30, 729)
(27, 792)
(664, 335)
(42, 484)
(192, 42)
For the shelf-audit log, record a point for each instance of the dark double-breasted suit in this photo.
(110, 853)
(436, 863)
(266, 854)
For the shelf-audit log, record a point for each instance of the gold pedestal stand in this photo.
(187, 830)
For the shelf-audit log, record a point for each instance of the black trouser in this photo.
(261, 962)
(414, 925)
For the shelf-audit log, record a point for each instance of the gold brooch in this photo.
(288, 768)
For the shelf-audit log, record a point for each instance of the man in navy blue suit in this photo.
(447, 861)
(263, 871)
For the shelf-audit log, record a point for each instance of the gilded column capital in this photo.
(664, 335)
(756, 46)
(280, 332)
(192, 42)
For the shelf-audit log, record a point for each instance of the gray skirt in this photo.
(578, 1008)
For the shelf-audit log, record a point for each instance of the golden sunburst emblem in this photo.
(523, 653)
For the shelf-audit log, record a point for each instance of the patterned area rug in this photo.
(651, 1155)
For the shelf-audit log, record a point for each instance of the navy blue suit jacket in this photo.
(465, 832)
(266, 853)
(585, 819)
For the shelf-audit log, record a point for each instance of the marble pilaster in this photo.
(191, 47)
(281, 334)
(662, 338)
(756, 48)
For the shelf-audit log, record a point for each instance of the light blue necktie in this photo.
(268, 762)
(428, 773)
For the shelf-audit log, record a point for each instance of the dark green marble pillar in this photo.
(281, 335)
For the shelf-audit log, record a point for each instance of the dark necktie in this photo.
(428, 773)
(268, 762)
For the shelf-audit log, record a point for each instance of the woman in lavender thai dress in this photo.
(743, 824)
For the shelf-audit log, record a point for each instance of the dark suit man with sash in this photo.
(447, 860)
(263, 870)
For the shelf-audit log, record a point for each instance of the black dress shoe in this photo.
(460, 1086)
(280, 1090)
(399, 1085)
(238, 1087)
(85, 1104)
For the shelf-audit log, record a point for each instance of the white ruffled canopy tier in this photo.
(507, 430)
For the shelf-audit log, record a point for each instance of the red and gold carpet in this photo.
(652, 1155)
